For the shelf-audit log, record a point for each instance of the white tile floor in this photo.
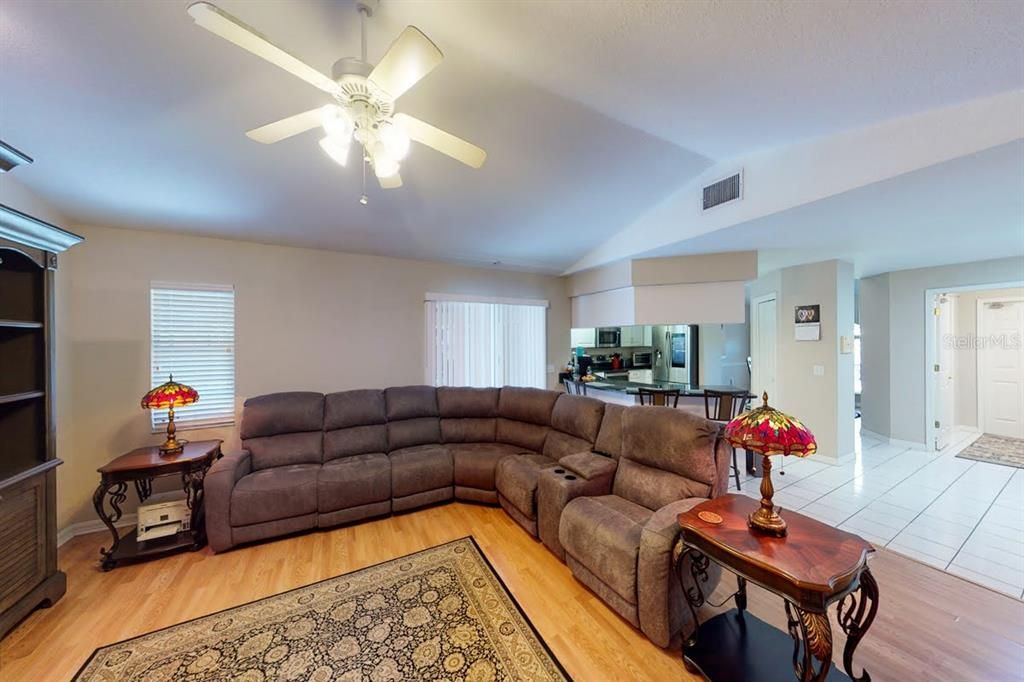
(961, 516)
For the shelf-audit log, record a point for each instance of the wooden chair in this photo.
(575, 387)
(658, 396)
(724, 406)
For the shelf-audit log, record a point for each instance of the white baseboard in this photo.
(94, 526)
(913, 445)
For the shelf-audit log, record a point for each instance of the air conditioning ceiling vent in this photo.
(725, 190)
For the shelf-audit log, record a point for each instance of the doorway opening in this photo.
(974, 364)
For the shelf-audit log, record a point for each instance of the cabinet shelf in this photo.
(20, 324)
(18, 397)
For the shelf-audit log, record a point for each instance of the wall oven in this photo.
(642, 360)
(609, 337)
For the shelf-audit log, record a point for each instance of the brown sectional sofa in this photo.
(600, 484)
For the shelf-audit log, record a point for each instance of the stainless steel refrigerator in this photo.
(675, 353)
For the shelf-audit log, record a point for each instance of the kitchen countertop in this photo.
(633, 387)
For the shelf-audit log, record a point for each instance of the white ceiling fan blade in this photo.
(391, 182)
(446, 143)
(286, 127)
(411, 57)
(220, 23)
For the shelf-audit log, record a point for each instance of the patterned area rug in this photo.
(439, 614)
(996, 450)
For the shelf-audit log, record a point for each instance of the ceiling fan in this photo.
(364, 97)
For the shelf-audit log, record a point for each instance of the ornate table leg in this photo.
(192, 481)
(856, 613)
(143, 488)
(741, 593)
(695, 597)
(118, 493)
(812, 640)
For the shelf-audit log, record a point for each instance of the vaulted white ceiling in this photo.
(591, 112)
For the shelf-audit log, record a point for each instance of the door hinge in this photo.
(935, 310)
(936, 368)
(936, 423)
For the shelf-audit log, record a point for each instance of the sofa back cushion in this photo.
(412, 416)
(355, 423)
(283, 428)
(524, 416)
(530, 405)
(575, 421)
(667, 455)
(609, 437)
(468, 415)
(410, 402)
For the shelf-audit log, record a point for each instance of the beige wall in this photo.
(305, 320)
(873, 311)
(903, 348)
(965, 356)
(823, 403)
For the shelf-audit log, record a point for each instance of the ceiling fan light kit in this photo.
(364, 95)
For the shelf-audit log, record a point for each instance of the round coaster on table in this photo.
(709, 517)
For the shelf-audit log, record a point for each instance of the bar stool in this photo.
(658, 396)
(723, 407)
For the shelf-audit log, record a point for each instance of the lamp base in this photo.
(767, 521)
(171, 447)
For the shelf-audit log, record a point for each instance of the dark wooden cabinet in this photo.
(28, 522)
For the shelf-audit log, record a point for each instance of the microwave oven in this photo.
(609, 337)
(642, 359)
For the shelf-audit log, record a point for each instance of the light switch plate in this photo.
(819, 370)
(845, 345)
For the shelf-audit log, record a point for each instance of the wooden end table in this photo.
(140, 467)
(811, 568)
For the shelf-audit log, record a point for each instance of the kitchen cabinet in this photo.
(586, 337)
(641, 376)
(637, 335)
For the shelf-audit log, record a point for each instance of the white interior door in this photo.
(944, 370)
(1001, 367)
(762, 347)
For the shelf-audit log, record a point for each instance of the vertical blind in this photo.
(193, 337)
(474, 343)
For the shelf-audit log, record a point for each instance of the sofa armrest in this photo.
(217, 486)
(661, 604)
(589, 465)
(722, 452)
(555, 489)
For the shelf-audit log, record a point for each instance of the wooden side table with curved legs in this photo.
(811, 568)
(139, 467)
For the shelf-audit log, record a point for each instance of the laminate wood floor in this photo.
(931, 625)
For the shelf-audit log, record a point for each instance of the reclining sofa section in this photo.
(600, 484)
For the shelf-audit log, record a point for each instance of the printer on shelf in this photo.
(164, 515)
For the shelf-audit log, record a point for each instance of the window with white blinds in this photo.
(193, 337)
(486, 343)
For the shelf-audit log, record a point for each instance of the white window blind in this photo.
(478, 343)
(193, 337)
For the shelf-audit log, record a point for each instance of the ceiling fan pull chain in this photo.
(364, 200)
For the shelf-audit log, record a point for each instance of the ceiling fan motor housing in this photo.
(365, 102)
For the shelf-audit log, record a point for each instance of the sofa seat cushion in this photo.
(516, 479)
(420, 468)
(603, 534)
(475, 463)
(274, 493)
(353, 481)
